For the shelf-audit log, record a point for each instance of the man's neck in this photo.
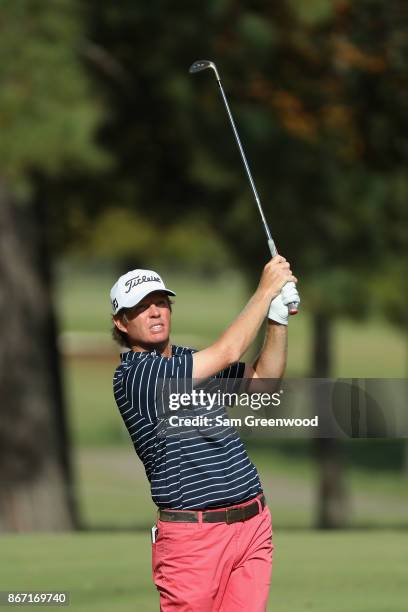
(164, 348)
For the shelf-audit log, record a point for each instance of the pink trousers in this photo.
(214, 567)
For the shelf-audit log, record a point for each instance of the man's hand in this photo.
(235, 340)
(275, 275)
(278, 311)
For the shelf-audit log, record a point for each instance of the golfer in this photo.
(212, 542)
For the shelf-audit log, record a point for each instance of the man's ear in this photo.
(117, 320)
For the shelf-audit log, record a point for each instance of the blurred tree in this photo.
(189, 245)
(166, 153)
(309, 84)
(48, 119)
(280, 72)
(362, 121)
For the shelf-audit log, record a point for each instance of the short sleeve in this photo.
(148, 383)
(234, 375)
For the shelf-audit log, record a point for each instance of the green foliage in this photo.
(119, 234)
(47, 115)
(317, 90)
(391, 288)
(257, 32)
(192, 245)
(127, 238)
(312, 12)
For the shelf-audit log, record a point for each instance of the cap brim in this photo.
(132, 303)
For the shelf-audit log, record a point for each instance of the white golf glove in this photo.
(289, 293)
(278, 311)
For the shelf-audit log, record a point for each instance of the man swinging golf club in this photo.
(212, 542)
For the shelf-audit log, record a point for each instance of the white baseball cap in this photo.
(133, 286)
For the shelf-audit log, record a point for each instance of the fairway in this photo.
(323, 572)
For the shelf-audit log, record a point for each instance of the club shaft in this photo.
(271, 243)
(292, 306)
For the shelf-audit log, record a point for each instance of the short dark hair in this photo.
(121, 337)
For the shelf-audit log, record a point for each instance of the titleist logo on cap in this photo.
(138, 280)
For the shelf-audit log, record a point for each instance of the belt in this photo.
(226, 515)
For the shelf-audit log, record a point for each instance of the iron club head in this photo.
(200, 65)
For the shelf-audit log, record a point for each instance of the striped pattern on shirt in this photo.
(193, 468)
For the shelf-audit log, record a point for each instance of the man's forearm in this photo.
(239, 335)
(234, 341)
(271, 362)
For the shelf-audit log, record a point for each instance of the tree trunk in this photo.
(405, 458)
(405, 450)
(35, 476)
(332, 510)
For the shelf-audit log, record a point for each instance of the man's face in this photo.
(148, 323)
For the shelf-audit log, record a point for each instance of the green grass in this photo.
(112, 489)
(369, 350)
(93, 416)
(336, 572)
(114, 492)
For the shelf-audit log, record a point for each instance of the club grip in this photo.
(293, 308)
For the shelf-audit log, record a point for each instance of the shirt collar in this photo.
(134, 355)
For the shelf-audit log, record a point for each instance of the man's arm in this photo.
(233, 343)
(271, 361)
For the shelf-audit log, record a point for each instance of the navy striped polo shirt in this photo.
(197, 468)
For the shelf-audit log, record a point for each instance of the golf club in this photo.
(198, 66)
